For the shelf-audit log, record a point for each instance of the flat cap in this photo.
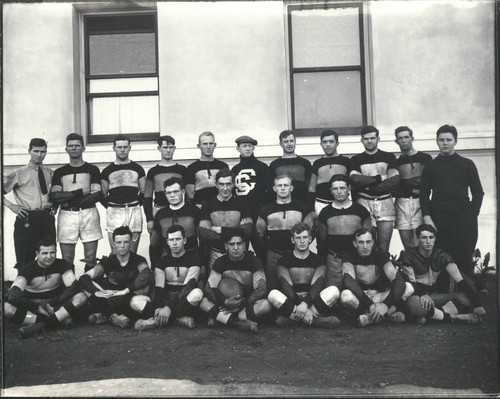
(245, 139)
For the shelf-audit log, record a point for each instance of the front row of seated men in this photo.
(46, 294)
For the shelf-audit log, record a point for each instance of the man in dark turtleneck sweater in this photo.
(450, 176)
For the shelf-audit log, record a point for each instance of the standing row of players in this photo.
(375, 174)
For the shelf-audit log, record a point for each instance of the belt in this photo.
(374, 198)
(123, 205)
(415, 196)
(75, 208)
(324, 201)
(39, 212)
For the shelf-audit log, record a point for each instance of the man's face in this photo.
(122, 244)
(329, 145)
(174, 194)
(235, 248)
(225, 187)
(426, 240)
(207, 145)
(122, 148)
(283, 188)
(46, 255)
(176, 242)
(364, 244)
(301, 241)
(340, 191)
(166, 150)
(405, 140)
(446, 143)
(246, 149)
(75, 149)
(37, 154)
(288, 144)
(370, 141)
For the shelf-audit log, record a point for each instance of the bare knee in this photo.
(262, 307)
(79, 300)
(330, 295)
(9, 310)
(349, 300)
(138, 302)
(195, 297)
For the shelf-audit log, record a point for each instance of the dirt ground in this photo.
(446, 356)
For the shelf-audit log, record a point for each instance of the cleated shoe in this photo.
(396, 317)
(326, 322)
(283, 321)
(211, 322)
(364, 320)
(66, 323)
(246, 325)
(145, 324)
(32, 330)
(185, 321)
(98, 318)
(120, 320)
(421, 320)
(465, 318)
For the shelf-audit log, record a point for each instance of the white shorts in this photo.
(408, 213)
(130, 216)
(84, 224)
(380, 210)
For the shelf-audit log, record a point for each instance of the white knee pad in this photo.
(138, 302)
(195, 297)
(330, 295)
(409, 290)
(277, 298)
(348, 299)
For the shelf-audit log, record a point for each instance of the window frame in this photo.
(362, 68)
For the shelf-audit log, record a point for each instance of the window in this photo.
(121, 76)
(327, 70)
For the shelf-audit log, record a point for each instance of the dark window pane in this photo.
(121, 24)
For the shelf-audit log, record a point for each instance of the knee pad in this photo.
(349, 300)
(137, 302)
(195, 297)
(276, 298)
(330, 295)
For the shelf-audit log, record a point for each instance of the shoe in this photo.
(326, 322)
(420, 320)
(98, 318)
(465, 318)
(283, 321)
(32, 330)
(120, 320)
(396, 317)
(67, 323)
(145, 324)
(211, 322)
(185, 321)
(247, 325)
(364, 320)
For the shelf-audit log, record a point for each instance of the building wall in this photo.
(223, 67)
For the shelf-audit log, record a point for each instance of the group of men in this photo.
(203, 218)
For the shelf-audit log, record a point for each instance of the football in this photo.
(230, 287)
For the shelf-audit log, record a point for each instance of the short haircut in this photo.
(231, 232)
(339, 177)
(167, 139)
(207, 133)
(174, 180)
(45, 242)
(37, 142)
(300, 228)
(448, 129)
(425, 227)
(286, 133)
(369, 129)
(225, 172)
(403, 129)
(120, 137)
(74, 136)
(279, 177)
(360, 232)
(121, 231)
(175, 228)
(329, 132)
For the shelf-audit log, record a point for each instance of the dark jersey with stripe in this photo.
(373, 165)
(299, 169)
(202, 175)
(157, 176)
(324, 168)
(118, 277)
(280, 218)
(410, 172)
(188, 217)
(340, 225)
(179, 271)
(123, 180)
(369, 270)
(72, 178)
(42, 281)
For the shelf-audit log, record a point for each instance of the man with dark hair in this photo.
(220, 213)
(157, 175)
(118, 288)
(176, 292)
(238, 311)
(407, 204)
(45, 293)
(30, 185)
(373, 288)
(324, 168)
(302, 296)
(178, 212)
(123, 182)
(298, 168)
(200, 181)
(76, 187)
(423, 265)
(336, 225)
(374, 175)
(450, 176)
